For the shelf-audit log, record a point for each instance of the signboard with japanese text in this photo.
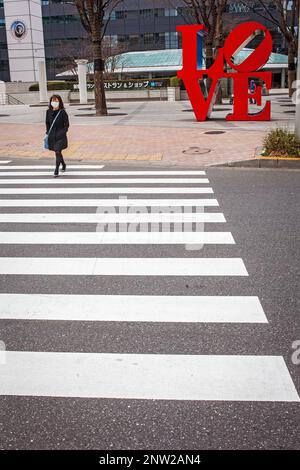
(128, 85)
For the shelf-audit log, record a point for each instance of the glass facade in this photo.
(134, 25)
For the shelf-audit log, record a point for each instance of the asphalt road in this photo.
(261, 208)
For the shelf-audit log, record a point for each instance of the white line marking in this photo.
(148, 190)
(107, 238)
(48, 167)
(178, 203)
(123, 266)
(98, 217)
(4, 162)
(50, 173)
(132, 308)
(108, 173)
(147, 376)
(108, 181)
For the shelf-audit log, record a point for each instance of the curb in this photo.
(263, 163)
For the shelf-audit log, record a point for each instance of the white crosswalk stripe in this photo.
(239, 377)
(147, 376)
(120, 202)
(123, 266)
(106, 238)
(132, 308)
(4, 162)
(124, 190)
(48, 167)
(104, 172)
(98, 217)
(110, 181)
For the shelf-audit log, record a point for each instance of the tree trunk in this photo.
(219, 95)
(208, 63)
(291, 68)
(209, 60)
(100, 100)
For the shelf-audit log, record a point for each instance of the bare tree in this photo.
(209, 13)
(71, 51)
(285, 18)
(114, 59)
(95, 16)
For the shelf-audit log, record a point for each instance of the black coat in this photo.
(57, 139)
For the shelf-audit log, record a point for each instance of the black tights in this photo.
(59, 160)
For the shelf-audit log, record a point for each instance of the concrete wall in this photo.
(25, 38)
(17, 87)
(127, 95)
(33, 97)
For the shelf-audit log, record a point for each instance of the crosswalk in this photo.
(89, 207)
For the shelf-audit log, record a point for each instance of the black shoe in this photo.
(56, 174)
(64, 167)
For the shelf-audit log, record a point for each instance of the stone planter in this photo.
(173, 93)
(275, 161)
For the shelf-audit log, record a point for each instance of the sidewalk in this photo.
(144, 144)
(150, 132)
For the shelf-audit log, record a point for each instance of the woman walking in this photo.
(57, 125)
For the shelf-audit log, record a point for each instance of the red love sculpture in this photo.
(240, 75)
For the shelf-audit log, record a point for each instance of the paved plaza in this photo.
(151, 132)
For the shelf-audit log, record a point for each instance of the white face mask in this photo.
(55, 104)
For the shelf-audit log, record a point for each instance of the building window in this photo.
(159, 12)
(146, 13)
(135, 14)
(63, 19)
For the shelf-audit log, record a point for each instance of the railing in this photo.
(5, 98)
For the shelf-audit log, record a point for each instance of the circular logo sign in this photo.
(18, 29)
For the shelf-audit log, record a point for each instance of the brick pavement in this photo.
(131, 143)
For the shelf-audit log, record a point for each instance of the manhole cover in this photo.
(196, 151)
(214, 132)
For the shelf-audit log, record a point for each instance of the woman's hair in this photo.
(61, 104)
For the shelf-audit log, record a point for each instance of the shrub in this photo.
(58, 85)
(281, 142)
(176, 82)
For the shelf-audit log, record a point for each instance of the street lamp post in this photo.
(42, 81)
(82, 69)
(297, 100)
